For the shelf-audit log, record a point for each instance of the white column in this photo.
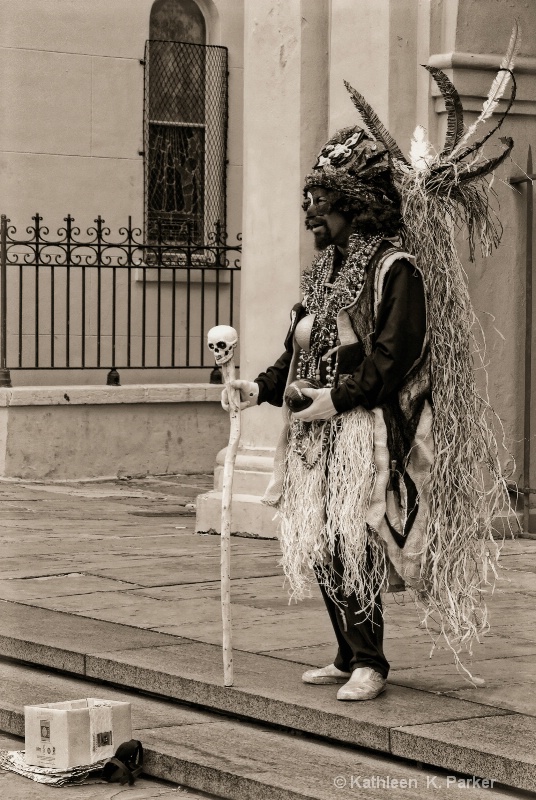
(285, 124)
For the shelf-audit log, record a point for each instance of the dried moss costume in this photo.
(403, 491)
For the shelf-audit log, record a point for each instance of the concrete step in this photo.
(457, 735)
(236, 759)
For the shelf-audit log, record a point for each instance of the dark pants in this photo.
(359, 635)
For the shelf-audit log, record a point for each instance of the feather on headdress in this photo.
(374, 124)
(497, 89)
(445, 171)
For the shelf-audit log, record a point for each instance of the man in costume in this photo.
(353, 210)
(381, 349)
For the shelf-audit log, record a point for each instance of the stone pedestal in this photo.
(285, 125)
(250, 517)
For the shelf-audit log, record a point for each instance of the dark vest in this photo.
(403, 408)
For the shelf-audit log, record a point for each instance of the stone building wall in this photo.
(71, 140)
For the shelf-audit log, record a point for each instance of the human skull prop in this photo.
(222, 340)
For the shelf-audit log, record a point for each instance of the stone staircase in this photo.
(268, 736)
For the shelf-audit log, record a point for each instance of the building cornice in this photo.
(472, 74)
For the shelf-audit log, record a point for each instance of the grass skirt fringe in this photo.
(329, 475)
(467, 486)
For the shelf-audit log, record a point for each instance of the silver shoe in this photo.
(364, 684)
(325, 675)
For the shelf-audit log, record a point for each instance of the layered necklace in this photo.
(324, 300)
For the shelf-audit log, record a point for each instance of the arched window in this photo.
(185, 126)
(177, 21)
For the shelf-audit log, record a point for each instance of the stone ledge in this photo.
(200, 741)
(482, 61)
(484, 746)
(110, 395)
(74, 637)
(472, 74)
(409, 723)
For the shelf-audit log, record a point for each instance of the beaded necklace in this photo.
(325, 300)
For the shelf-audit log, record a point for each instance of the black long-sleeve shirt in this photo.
(397, 343)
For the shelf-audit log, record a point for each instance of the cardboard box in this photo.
(76, 732)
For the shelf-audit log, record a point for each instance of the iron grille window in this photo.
(185, 141)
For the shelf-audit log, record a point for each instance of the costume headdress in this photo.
(447, 179)
(439, 193)
(349, 162)
(357, 167)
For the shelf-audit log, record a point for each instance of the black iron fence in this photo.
(90, 301)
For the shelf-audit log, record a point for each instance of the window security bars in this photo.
(75, 301)
(185, 133)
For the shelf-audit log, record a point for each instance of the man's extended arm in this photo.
(272, 383)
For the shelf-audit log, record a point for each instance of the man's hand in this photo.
(249, 394)
(321, 407)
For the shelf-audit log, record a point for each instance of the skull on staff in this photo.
(222, 340)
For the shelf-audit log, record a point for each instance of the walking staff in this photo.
(222, 340)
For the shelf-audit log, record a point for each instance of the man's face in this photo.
(328, 226)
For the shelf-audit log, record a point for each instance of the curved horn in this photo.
(483, 168)
(453, 106)
(478, 145)
(374, 124)
(443, 177)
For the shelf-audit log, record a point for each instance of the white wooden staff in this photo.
(222, 340)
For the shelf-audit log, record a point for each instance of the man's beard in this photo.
(322, 239)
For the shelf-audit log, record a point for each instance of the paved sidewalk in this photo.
(125, 554)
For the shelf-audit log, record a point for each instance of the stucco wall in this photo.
(374, 46)
(71, 98)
